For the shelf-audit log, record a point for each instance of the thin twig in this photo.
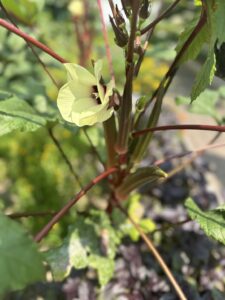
(30, 46)
(217, 128)
(64, 156)
(30, 214)
(180, 155)
(31, 40)
(94, 149)
(168, 78)
(73, 201)
(155, 253)
(168, 226)
(162, 16)
(106, 40)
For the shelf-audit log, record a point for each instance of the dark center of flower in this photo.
(95, 94)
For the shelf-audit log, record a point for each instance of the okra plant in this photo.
(89, 98)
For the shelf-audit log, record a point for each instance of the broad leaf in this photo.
(204, 77)
(92, 242)
(136, 211)
(104, 266)
(196, 45)
(20, 261)
(16, 114)
(24, 10)
(212, 222)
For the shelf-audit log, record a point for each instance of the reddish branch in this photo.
(106, 40)
(162, 16)
(30, 214)
(180, 155)
(176, 127)
(73, 201)
(31, 40)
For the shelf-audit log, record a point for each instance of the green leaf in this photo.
(24, 10)
(20, 261)
(217, 11)
(71, 254)
(196, 45)
(212, 222)
(205, 104)
(204, 77)
(92, 242)
(136, 211)
(104, 266)
(16, 114)
(140, 177)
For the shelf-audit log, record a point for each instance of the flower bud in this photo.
(118, 17)
(144, 11)
(121, 38)
(141, 103)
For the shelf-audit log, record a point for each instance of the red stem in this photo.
(176, 127)
(105, 35)
(31, 40)
(162, 16)
(67, 207)
(182, 154)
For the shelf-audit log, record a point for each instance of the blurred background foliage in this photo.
(33, 175)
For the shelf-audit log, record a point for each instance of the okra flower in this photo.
(83, 100)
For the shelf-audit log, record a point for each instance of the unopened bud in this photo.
(121, 37)
(140, 104)
(127, 6)
(144, 11)
(118, 17)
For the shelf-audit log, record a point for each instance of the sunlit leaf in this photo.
(212, 221)
(20, 261)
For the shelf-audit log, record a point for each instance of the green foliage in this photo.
(212, 222)
(212, 32)
(136, 211)
(92, 242)
(195, 47)
(205, 104)
(205, 76)
(140, 177)
(16, 114)
(25, 10)
(20, 261)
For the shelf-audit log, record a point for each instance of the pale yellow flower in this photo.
(83, 100)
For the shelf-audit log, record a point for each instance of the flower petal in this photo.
(76, 72)
(98, 75)
(109, 90)
(91, 115)
(80, 90)
(65, 102)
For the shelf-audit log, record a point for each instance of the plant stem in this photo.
(106, 40)
(126, 104)
(31, 40)
(162, 16)
(168, 226)
(110, 140)
(217, 128)
(155, 253)
(95, 151)
(31, 47)
(30, 214)
(142, 144)
(174, 66)
(64, 156)
(73, 201)
(180, 155)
